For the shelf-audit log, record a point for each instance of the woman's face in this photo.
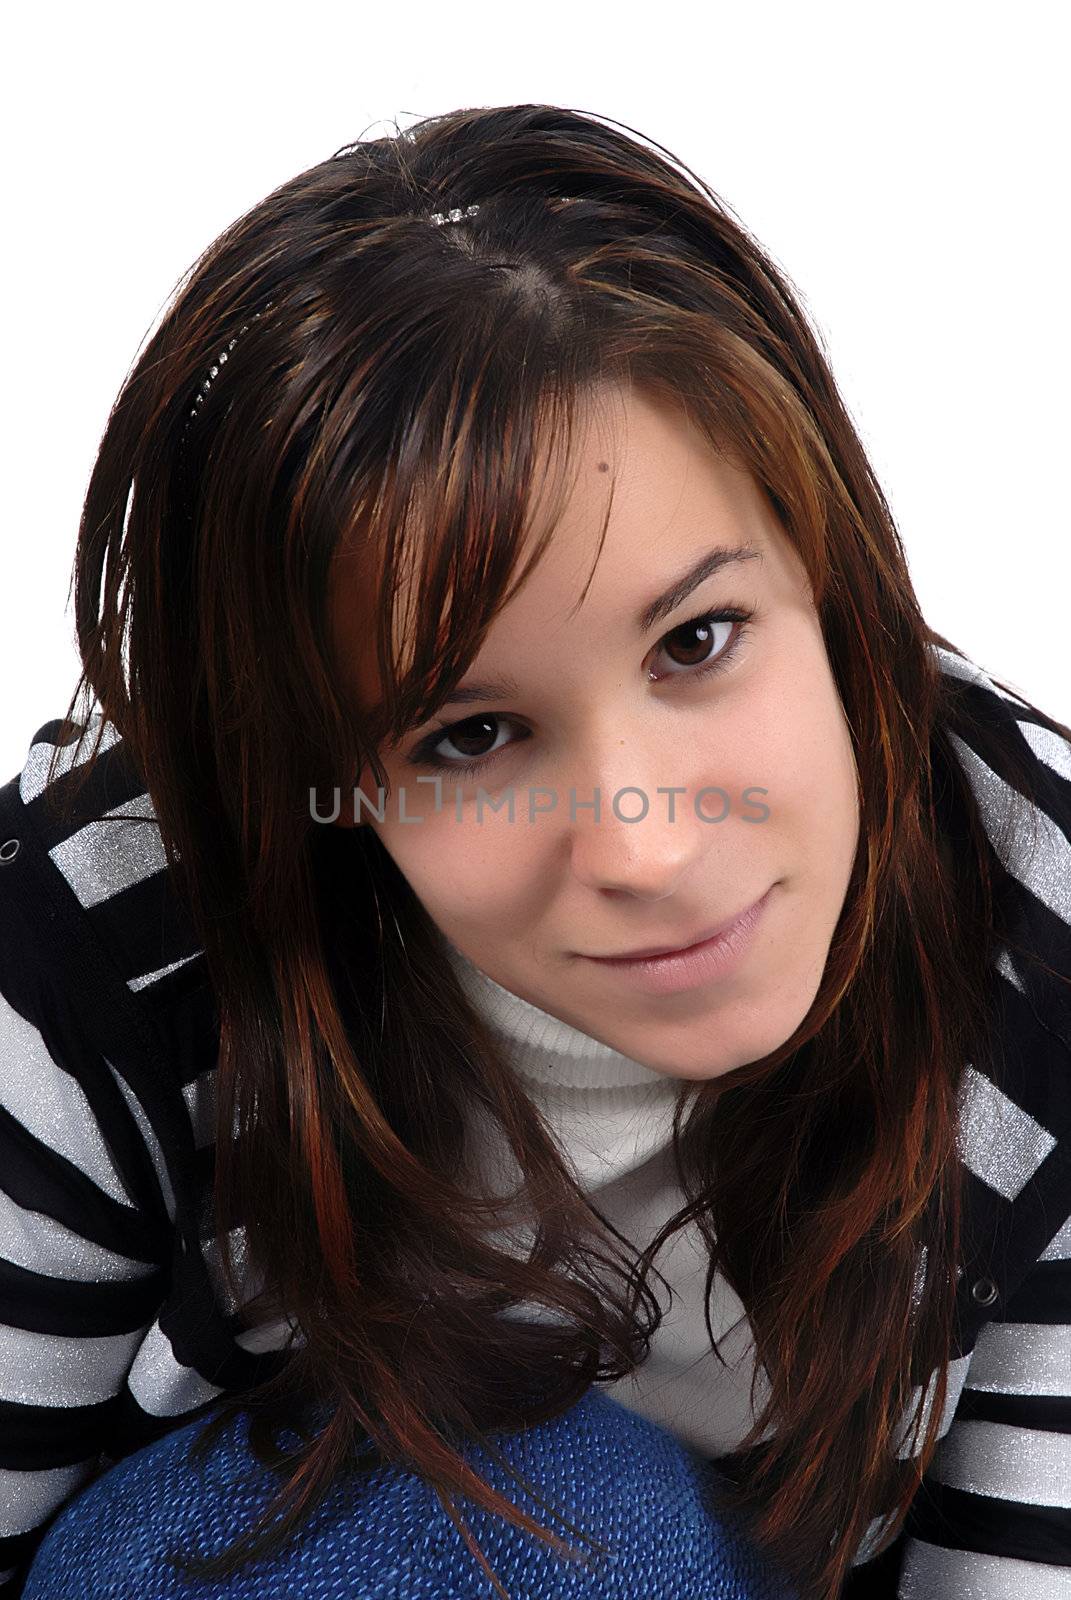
(599, 702)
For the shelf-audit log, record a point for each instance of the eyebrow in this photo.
(681, 588)
(661, 606)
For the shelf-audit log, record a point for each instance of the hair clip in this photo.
(437, 217)
(456, 215)
(206, 382)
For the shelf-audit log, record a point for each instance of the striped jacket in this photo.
(115, 1326)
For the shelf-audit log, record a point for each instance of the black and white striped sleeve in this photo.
(993, 1517)
(82, 1259)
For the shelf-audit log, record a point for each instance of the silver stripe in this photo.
(929, 1570)
(106, 856)
(37, 1242)
(921, 1269)
(1032, 1465)
(200, 1098)
(152, 1143)
(50, 1104)
(161, 972)
(969, 669)
(871, 1539)
(52, 1369)
(957, 1375)
(27, 1498)
(1006, 967)
(1048, 747)
(973, 673)
(1041, 865)
(34, 772)
(161, 1384)
(211, 1250)
(1022, 1358)
(1059, 1246)
(270, 1336)
(1000, 1142)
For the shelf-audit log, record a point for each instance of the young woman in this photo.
(485, 593)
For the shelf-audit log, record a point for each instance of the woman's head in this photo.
(717, 747)
(480, 394)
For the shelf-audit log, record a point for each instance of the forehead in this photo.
(354, 579)
(635, 463)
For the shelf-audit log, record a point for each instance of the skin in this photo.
(527, 901)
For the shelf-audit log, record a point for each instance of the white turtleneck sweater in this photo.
(612, 1119)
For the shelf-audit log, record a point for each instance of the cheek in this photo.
(827, 792)
(825, 753)
(465, 872)
(798, 747)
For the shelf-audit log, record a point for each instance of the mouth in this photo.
(710, 960)
(689, 943)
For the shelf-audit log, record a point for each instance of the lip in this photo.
(687, 966)
(685, 944)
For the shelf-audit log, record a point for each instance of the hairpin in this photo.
(206, 382)
(437, 217)
(454, 216)
(470, 211)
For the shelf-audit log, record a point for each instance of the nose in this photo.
(632, 846)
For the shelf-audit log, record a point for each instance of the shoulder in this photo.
(1005, 743)
(97, 871)
(97, 954)
(1016, 1131)
(1016, 760)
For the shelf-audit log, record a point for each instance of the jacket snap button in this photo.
(8, 851)
(985, 1291)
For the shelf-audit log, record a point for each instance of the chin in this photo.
(706, 1071)
(738, 1052)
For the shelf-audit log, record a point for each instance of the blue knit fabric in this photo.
(383, 1536)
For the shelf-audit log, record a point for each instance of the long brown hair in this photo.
(382, 386)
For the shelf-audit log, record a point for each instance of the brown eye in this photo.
(475, 737)
(701, 645)
(695, 642)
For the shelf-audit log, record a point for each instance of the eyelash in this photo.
(424, 755)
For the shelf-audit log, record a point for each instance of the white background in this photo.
(905, 165)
